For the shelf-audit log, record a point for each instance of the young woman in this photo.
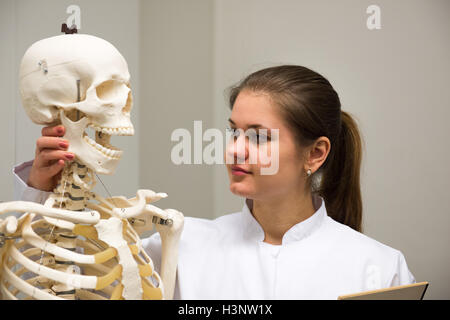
(298, 234)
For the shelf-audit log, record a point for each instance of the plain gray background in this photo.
(183, 54)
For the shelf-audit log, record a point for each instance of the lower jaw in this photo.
(115, 155)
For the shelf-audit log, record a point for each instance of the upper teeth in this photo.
(123, 131)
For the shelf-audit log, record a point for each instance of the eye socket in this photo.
(110, 89)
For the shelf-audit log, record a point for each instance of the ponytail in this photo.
(340, 181)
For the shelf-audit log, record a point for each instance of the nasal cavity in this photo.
(129, 104)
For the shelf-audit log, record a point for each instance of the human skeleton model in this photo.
(79, 245)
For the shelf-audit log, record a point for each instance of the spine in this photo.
(72, 193)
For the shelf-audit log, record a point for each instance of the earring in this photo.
(308, 172)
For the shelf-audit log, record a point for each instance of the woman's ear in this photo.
(317, 154)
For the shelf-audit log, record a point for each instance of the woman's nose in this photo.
(237, 149)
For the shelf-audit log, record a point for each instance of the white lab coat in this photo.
(226, 258)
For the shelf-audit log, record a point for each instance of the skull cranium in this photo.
(80, 81)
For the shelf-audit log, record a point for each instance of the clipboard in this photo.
(414, 291)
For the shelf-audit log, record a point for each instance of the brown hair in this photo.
(311, 108)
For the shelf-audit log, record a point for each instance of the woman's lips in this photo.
(238, 171)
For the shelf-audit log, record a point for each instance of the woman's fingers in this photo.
(51, 143)
(55, 131)
(51, 155)
(47, 156)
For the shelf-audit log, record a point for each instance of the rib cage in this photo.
(49, 246)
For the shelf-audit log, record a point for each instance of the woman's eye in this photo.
(258, 138)
(262, 138)
(234, 132)
(253, 136)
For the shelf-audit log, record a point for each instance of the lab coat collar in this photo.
(253, 230)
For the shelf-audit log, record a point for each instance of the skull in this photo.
(79, 81)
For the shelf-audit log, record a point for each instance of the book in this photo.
(414, 291)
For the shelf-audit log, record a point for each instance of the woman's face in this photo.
(256, 110)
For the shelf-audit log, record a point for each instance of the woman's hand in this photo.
(50, 158)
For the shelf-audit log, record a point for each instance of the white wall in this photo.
(7, 92)
(176, 77)
(394, 80)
